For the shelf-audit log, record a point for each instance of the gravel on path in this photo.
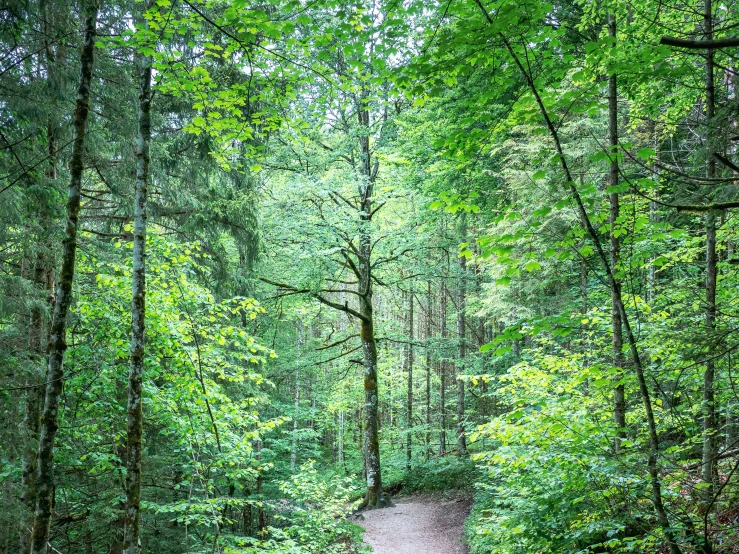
(417, 525)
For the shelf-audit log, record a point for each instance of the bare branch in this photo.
(728, 163)
(337, 343)
(377, 209)
(321, 299)
(333, 194)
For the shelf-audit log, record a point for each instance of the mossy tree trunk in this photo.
(58, 332)
(409, 369)
(617, 343)
(135, 423)
(462, 344)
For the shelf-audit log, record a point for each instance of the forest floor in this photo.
(418, 524)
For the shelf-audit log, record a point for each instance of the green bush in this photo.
(439, 474)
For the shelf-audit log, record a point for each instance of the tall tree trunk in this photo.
(619, 393)
(373, 495)
(709, 408)
(36, 328)
(368, 173)
(409, 367)
(584, 286)
(516, 343)
(653, 215)
(428, 370)
(340, 439)
(462, 345)
(261, 520)
(344, 322)
(362, 449)
(294, 450)
(58, 332)
(483, 407)
(32, 405)
(135, 428)
(483, 401)
(442, 369)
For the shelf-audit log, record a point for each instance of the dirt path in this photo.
(417, 525)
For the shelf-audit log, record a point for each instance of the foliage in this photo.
(533, 164)
(440, 474)
(311, 517)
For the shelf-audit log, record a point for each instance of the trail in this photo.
(417, 525)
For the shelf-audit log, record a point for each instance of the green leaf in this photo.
(645, 153)
(660, 261)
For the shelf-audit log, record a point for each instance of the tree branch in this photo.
(728, 163)
(700, 44)
(321, 299)
(337, 343)
(332, 194)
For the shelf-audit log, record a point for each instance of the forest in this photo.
(266, 263)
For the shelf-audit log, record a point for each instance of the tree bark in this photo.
(462, 345)
(373, 496)
(36, 328)
(57, 337)
(428, 370)
(32, 404)
(261, 520)
(442, 370)
(340, 439)
(709, 408)
(135, 424)
(619, 392)
(700, 44)
(294, 450)
(362, 449)
(409, 367)
(34, 396)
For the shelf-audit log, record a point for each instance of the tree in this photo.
(63, 299)
(135, 427)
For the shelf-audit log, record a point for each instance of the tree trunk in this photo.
(373, 496)
(340, 439)
(428, 371)
(442, 369)
(709, 408)
(32, 404)
(135, 430)
(36, 328)
(261, 521)
(653, 216)
(409, 366)
(58, 332)
(619, 393)
(462, 346)
(362, 449)
(294, 450)
(515, 344)
(344, 326)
